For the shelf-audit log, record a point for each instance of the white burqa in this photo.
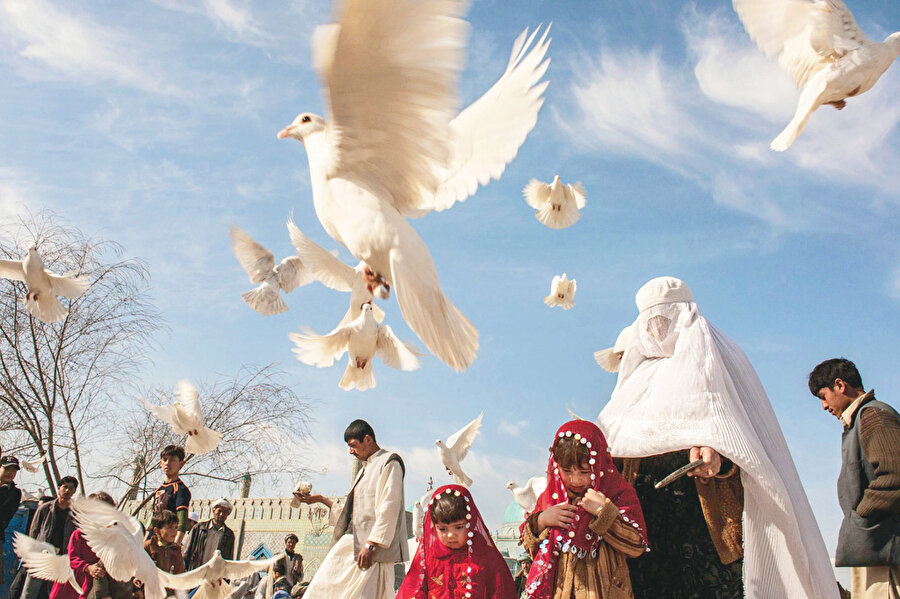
(377, 501)
(683, 383)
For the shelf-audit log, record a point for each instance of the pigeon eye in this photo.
(305, 119)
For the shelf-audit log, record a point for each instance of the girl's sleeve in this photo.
(618, 534)
(531, 541)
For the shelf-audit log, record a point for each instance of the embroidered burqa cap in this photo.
(683, 383)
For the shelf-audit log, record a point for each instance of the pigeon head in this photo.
(510, 485)
(439, 443)
(893, 41)
(303, 126)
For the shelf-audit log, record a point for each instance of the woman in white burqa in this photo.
(685, 390)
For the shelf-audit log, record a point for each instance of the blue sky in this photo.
(154, 124)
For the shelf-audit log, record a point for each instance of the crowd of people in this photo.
(607, 526)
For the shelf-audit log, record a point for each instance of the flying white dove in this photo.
(418, 514)
(186, 418)
(820, 45)
(35, 465)
(527, 496)
(610, 358)
(362, 339)
(260, 266)
(331, 272)
(389, 150)
(211, 577)
(455, 450)
(557, 205)
(118, 540)
(43, 286)
(562, 292)
(42, 561)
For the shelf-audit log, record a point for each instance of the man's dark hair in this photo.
(171, 451)
(279, 568)
(358, 430)
(570, 452)
(824, 375)
(69, 480)
(103, 496)
(447, 508)
(163, 518)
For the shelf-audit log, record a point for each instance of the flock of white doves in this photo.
(394, 148)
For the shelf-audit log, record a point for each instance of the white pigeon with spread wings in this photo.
(42, 561)
(456, 448)
(331, 272)
(556, 205)
(186, 418)
(610, 358)
(389, 150)
(527, 495)
(118, 540)
(820, 45)
(43, 286)
(363, 339)
(562, 292)
(418, 514)
(35, 465)
(259, 263)
(211, 577)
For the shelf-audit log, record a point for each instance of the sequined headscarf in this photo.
(578, 538)
(475, 571)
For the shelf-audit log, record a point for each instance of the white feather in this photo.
(41, 561)
(562, 292)
(456, 448)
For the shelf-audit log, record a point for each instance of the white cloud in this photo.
(513, 429)
(893, 286)
(13, 202)
(75, 47)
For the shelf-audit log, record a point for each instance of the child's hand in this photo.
(558, 516)
(594, 501)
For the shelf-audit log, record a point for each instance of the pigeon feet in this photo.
(374, 280)
(839, 104)
(361, 363)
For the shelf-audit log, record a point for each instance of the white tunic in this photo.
(377, 504)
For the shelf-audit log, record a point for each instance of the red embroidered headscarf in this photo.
(578, 538)
(475, 571)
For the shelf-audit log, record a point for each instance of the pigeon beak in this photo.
(286, 132)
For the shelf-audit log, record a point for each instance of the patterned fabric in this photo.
(578, 539)
(682, 562)
(475, 571)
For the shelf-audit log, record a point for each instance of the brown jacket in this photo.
(603, 577)
(166, 556)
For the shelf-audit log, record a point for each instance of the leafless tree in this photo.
(56, 379)
(261, 418)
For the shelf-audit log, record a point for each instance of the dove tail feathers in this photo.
(557, 219)
(461, 478)
(358, 378)
(810, 99)
(553, 301)
(204, 441)
(47, 308)
(266, 300)
(441, 326)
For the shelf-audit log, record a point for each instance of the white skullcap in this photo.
(662, 290)
(606, 358)
(223, 503)
(194, 516)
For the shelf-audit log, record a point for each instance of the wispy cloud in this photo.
(513, 429)
(74, 47)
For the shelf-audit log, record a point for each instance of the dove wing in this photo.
(487, 135)
(117, 545)
(167, 414)
(803, 35)
(253, 258)
(394, 352)
(391, 82)
(577, 195)
(537, 194)
(187, 401)
(12, 269)
(35, 465)
(241, 568)
(320, 350)
(460, 442)
(322, 264)
(190, 579)
(67, 286)
(292, 273)
(41, 560)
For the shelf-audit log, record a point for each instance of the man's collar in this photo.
(847, 415)
(377, 452)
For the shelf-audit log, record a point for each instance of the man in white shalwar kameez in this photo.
(369, 525)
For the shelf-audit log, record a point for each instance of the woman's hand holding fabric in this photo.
(557, 516)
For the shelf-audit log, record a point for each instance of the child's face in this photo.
(577, 479)
(167, 533)
(452, 535)
(170, 465)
